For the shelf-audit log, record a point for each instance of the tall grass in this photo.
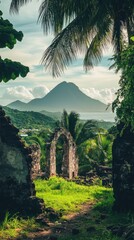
(13, 226)
(67, 196)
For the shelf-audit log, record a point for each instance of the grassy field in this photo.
(69, 198)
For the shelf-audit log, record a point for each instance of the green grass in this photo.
(67, 197)
(13, 226)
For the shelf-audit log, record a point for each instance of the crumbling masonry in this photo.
(17, 191)
(69, 163)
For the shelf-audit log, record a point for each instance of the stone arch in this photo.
(69, 161)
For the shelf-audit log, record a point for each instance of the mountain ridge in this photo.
(64, 96)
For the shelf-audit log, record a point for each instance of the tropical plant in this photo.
(79, 131)
(40, 139)
(96, 151)
(8, 38)
(124, 103)
(86, 26)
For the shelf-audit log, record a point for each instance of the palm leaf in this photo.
(73, 120)
(64, 120)
(88, 130)
(56, 14)
(68, 43)
(98, 43)
(16, 4)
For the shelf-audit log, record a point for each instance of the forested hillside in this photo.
(29, 119)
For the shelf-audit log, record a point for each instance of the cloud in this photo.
(24, 94)
(40, 91)
(106, 95)
(30, 52)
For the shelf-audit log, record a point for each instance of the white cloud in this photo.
(30, 52)
(106, 95)
(24, 94)
(19, 92)
(40, 91)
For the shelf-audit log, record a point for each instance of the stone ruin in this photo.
(36, 155)
(123, 170)
(17, 191)
(69, 162)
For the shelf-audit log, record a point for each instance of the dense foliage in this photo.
(86, 26)
(29, 120)
(94, 144)
(8, 38)
(124, 103)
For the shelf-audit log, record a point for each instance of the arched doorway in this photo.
(69, 166)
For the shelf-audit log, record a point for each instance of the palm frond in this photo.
(98, 43)
(117, 38)
(56, 14)
(16, 4)
(68, 43)
(64, 120)
(50, 17)
(88, 131)
(73, 120)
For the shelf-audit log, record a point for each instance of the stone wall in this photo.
(69, 162)
(35, 155)
(123, 170)
(17, 191)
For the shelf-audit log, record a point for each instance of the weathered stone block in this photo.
(17, 191)
(69, 162)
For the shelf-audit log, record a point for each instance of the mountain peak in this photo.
(65, 95)
(65, 84)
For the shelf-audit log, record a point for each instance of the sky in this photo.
(99, 83)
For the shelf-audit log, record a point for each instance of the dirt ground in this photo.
(69, 225)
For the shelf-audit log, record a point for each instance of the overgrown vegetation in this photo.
(124, 103)
(99, 222)
(65, 196)
(13, 226)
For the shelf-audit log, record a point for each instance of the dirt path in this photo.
(70, 224)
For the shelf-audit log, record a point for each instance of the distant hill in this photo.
(64, 96)
(17, 105)
(55, 115)
(29, 120)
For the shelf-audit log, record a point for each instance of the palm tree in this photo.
(79, 131)
(86, 26)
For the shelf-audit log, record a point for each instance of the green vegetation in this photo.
(29, 120)
(8, 38)
(99, 222)
(55, 115)
(66, 196)
(94, 152)
(94, 144)
(77, 27)
(13, 226)
(124, 103)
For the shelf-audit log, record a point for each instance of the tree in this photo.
(8, 38)
(95, 151)
(79, 131)
(124, 103)
(86, 26)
